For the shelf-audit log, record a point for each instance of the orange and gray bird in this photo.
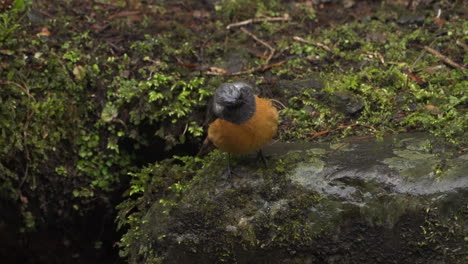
(244, 122)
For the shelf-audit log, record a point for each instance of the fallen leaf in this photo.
(318, 134)
(44, 32)
(432, 109)
(416, 78)
(79, 72)
(440, 22)
(219, 70)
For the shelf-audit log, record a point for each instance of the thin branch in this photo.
(324, 132)
(444, 58)
(267, 65)
(318, 44)
(272, 50)
(278, 102)
(125, 14)
(24, 89)
(26, 149)
(338, 148)
(285, 17)
(421, 54)
(260, 68)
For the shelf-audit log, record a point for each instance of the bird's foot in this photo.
(261, 157)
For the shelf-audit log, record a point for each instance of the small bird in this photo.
(244, 122)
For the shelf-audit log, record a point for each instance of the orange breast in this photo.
(249, 136)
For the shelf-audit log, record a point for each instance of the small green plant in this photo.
(160, 99)
(8, 26)
(165, 182)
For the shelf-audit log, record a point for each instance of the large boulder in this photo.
(401, 199)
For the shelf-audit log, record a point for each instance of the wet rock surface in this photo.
(403, 199)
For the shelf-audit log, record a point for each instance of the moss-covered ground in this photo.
(97, 97)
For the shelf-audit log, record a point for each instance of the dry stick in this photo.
(285, 17)
(320, 133)
(26, 149)
(318, 44)
(260, 68)
(24, 89)
(421, 54)
(272, 50)
(356, 124)
(444, 58)
(338, 148)
(278, 102)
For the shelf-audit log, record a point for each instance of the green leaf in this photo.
(109, 113)
(18, 5)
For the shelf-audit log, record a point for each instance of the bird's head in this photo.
(234, 102)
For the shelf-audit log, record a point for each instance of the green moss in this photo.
(66, 114)
(444, 228)
(164, 182)
(77, 107)
(371, 58)
(188, 190)
(190, 207)
(243, 9)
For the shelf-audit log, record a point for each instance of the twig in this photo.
(278, 102)
(260, 68)
(26, 150)
(24, 89)
(324, 132)
(444, 58)
(338, 148)
(272, 50)
(25, 128)
(125, 14)
(267, 65)
(352, 125)
(285, 17)
(421, 54)
(318, 134)
(318, 44)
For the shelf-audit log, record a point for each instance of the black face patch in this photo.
(234, 102)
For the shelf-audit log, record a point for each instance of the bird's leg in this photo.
(260, 156)
(229, 173)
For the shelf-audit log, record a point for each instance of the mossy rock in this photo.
(390, 201)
